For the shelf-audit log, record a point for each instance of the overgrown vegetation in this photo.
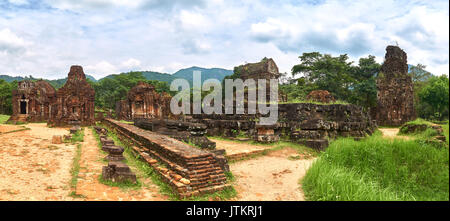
(379, 169)
(112, 89)
(77, 136)
(419, 121)
(345, 81)
(434, 98)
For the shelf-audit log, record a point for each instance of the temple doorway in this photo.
(23, 107)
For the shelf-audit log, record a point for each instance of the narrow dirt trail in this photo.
(32, 168)
(91, 189)
(272, 177)
(392, 133)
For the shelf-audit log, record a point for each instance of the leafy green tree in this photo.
(364, 90)
(6, 96)
(110, 90)
(325, 72)
(420, 78)
(419, 74)
(436, 94)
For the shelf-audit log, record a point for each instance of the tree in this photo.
(419, 74)
(6, 96)
(364, 90)
(325, 72)
(420, 78)
(110, 90)
(435, 94)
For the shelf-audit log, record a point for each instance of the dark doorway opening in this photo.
(23, 107)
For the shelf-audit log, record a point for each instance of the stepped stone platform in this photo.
(188, 170)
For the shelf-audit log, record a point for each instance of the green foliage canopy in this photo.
(436, 94)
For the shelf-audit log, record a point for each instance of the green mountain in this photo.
(207, 73)
(151, 75)
(187, 73)
(55, 83)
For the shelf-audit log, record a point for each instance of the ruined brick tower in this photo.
(395, 94)
(32, 101)
(74, 101)
(143, 101)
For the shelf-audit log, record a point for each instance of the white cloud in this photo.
(10, 43)
(131, 64)
(101, 69)
(115, 36)
(192, 20)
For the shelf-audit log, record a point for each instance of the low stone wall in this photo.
(188, 170)
(310, 124)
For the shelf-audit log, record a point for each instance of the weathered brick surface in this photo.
(143, 102)
(199, 169)
(31, 101)
(320, 96)
(74, 101)
(395, 104)
(183, 131)
(117, 171)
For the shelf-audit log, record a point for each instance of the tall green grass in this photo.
(419, 121)
(379, 169)
(445, 127)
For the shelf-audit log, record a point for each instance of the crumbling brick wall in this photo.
(395, 94)
(322, 96)
(143, 102)
(307, 123)
(315, 124)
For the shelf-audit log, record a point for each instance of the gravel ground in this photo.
(31, 167)
(273, 177)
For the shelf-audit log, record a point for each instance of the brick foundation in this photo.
(188, 170)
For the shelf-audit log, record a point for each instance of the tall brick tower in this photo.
(395, 94)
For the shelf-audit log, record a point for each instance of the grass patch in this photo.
(3, 118)
(313, 102)
(77, 137)
(419, 121)
(226, 193)
(75, 167)
(445, 127)
(377, 169)
(126, 122)
(97, 138)
(123, 185)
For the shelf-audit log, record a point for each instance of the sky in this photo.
(44, 38)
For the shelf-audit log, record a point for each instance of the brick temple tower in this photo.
(395, 93)
(74, 101)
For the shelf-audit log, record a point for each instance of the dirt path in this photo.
(90, 187)
(31, 167)
(392, 133)
(270, 177)
(4, 128)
